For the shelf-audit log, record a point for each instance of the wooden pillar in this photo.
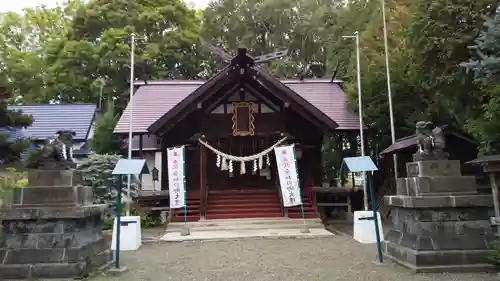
(203, 185)
(164, 167)
(340, 147)
(141, 154)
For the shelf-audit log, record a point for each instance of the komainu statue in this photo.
(56, 154)
(431, 143)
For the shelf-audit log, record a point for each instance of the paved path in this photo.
(316, 259)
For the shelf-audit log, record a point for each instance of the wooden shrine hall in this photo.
(230, 125)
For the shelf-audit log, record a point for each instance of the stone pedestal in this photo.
(439, 221)
(52, 229)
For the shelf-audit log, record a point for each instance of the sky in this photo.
(18, 5)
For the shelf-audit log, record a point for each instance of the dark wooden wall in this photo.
(217, 129)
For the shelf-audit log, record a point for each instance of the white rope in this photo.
(65, 155)
(242, 158)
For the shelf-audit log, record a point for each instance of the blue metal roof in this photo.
(360, 164)
(50, 118)
(15, 133)
(130, 167)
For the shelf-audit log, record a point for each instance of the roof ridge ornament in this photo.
(226, 56)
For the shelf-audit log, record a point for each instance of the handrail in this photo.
(278, 186)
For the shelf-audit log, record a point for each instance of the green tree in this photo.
(98, 47)
(426, 48)
(10, 121)
(485, 65)
(310, 30)
(24, 42)
(103, 140)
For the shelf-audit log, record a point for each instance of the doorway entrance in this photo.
(250, 180)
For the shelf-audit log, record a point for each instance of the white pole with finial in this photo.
(389, 94)
(131, 118)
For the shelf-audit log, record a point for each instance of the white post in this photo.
(360, 113)
(361, 127)
(389, 94)
(132, 50)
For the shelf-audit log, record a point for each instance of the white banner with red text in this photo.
(176, 186)
(289, 179)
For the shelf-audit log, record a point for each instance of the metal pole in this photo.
(184, 183)
(132, 50)
(361, 127)
(360, 113)
(118, 210)
(389, 94)
(375, 218)
(305, 227)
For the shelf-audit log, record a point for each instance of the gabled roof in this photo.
(153, 100)
(149, 143)
(50, 118)
(411, 141)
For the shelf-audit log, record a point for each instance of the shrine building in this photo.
(229, 126)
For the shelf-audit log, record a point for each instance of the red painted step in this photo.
(193, 202)
(245, 210)
(243, 216)
(243, 204)
(309, 209)
(233, 205)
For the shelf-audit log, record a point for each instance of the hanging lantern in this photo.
(155, 174)
(298, 153)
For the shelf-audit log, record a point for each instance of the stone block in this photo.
(32, 256)
(56, 212)
(53, 178)
(15, 271)
(60, 270)
(92, 249)
(52, 229)
(441, 201)
(52, 196)
(440, 222)
(433, 168)
(447, 214)
(438, 261)
(436, 185)
(31, 226)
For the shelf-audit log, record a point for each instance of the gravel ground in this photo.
(321, 259)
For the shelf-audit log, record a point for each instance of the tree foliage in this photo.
(97, 172)
(444, 56)
(485, 66)
(11, 144)
(104, 141)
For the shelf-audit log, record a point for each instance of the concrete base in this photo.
(185, 231)
(378, 263)
(116, 271)
(246, 228)
(304, 229)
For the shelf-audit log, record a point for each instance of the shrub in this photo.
(10, 179)
(494, 256)
(97, 172)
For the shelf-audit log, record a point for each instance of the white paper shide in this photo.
(175, 158)
(287, 171)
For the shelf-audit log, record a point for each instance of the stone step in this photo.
(244, 224)
(254, 221)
